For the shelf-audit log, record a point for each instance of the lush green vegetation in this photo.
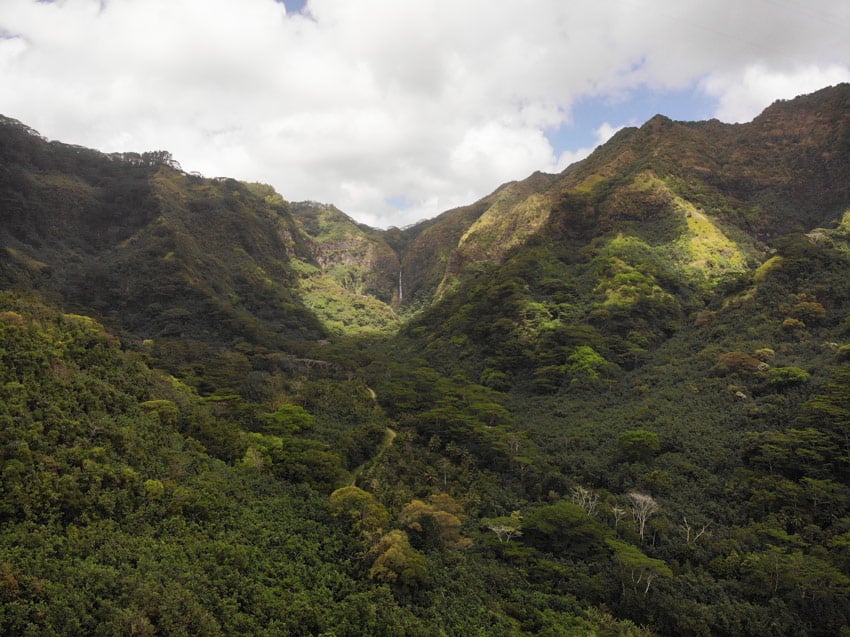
(628, 415)
(727, 427)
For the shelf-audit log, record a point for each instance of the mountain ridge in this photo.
(702, 163)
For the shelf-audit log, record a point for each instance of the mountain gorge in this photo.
(611, 401)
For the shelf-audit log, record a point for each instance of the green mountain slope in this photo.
(146, 245)
(785, 171)
(676, 330)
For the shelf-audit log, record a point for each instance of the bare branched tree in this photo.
(585, 498)
(643, 506)
(619, 513)
(691, 534)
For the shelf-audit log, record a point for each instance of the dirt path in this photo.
(389, 437)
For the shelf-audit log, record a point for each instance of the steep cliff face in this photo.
(357, 257)
(427, 248)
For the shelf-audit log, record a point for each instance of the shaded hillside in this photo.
(689, 184)
(158, 252)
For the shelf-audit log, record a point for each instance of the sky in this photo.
(397, 110)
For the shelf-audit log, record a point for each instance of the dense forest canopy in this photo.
(614, 401)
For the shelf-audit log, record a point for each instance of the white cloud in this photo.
(743, 94)
(568, 157)
(359, 102)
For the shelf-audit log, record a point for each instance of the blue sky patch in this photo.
(293, 6)
(633, 109)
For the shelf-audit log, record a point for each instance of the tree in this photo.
(778, 569)
(564, 527)
(829, 411)
(585, 498)
(619, 513)
(167, 412)
(287, 420)
(397, 562)
(809, 311)
(436, 523)
(643, 506)
(586, 366)
(638, 445)
(506, 527)
(691, 533)
(361, 510)
(639, 568)
(782, 377)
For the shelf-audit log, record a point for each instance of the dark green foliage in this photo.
(564, 529)
(637, 445)
(287, 420)
(114, 522)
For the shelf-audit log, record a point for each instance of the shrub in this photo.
(764, 354)
(793, 325)
(638, 445)
(786, 376)
(738, 361)
(810, 312)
